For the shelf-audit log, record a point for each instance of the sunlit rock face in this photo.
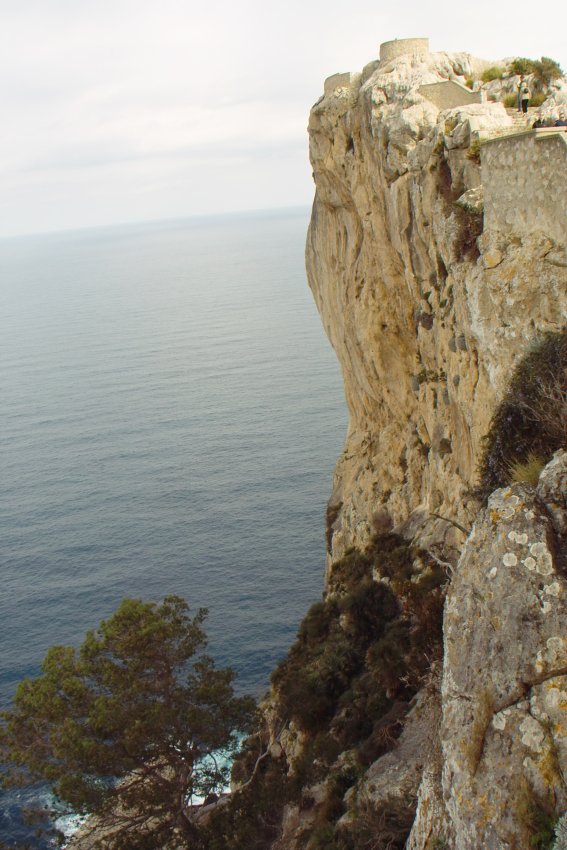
(502, 741)
(426, 311)
(505, 670)
(429, 304)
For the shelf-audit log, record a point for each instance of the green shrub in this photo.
(469, 225)
(316, 623)
(347, 573)
(473, 153)
(309, 684)
(347, 680)
(542, 828)
(495, 72)
(368, 638)
(323, 832)
(359, 708)
(393, 556)
(387, 657)
(546, 71)
(510, 101)
(538, 98)
(368, 609)
(532, 417)
(252, 817)
(469, 82)
(521, 66)
(321, 837)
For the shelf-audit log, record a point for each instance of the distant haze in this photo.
(115, 110)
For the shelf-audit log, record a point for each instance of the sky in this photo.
(134, 110)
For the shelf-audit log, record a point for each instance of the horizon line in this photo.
(62, 231)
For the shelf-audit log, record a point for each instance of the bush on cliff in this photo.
(130, 726)
(346, 683)
(329, 654)
(252, 816)
(371, 642)
(495, 72)
(545, 70)
(531, 420)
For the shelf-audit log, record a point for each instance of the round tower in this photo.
(391, 49)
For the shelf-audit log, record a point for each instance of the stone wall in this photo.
(449, 94)
(337, 81)
(392, 49)
(525, 183)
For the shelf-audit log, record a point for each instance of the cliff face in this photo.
(427, 320)
(423, 703)
(429, 305)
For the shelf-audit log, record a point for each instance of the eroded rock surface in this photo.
(427, 313)
(504, 691)
(429, 310)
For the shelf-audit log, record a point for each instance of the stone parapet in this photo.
(525, 183)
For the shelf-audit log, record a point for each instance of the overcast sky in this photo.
(127, 110)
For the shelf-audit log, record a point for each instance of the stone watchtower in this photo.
(388, 50)
(392, 49)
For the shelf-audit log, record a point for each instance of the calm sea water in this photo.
(171, 415)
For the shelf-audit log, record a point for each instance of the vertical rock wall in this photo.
(426, 319)
(429, 306)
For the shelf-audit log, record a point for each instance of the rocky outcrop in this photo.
(481, 761)
(427, 311)
(504, 690)
(429, 308)
(422, 705)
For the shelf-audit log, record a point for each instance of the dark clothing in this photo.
(525, 98)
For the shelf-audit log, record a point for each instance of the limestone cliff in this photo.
(423, 704)
(426, 319)
(429, 304)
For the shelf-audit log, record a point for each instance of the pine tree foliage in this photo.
(131, 726)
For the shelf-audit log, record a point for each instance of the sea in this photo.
(171, 415)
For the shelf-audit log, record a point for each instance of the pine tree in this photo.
(131, 726)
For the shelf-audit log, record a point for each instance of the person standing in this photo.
(525, 97)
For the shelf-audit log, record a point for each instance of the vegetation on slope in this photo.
(345, 686)
(530, 424)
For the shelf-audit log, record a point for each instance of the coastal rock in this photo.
(388, 244)
(503, 742)
(504, 691)
(429, 304)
